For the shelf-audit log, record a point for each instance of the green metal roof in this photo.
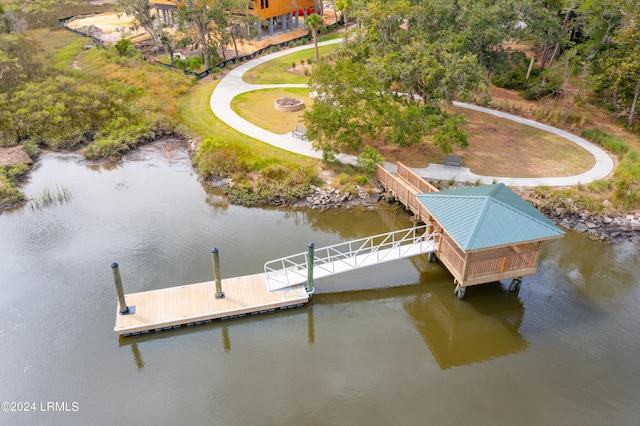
(487, 216)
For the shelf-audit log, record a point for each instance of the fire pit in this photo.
(288, 104)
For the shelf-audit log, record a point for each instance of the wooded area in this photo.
(406, 57)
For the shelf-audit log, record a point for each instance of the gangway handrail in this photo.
(290, 270)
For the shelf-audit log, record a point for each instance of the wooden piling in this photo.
(216, 273)
(124, 309)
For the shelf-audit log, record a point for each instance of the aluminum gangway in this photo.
(292, 270)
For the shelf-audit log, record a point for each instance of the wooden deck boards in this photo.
(194, 303)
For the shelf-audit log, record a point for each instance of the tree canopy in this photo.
(409, 57)
(389, 80)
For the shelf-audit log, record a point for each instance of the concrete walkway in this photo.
(232, 85)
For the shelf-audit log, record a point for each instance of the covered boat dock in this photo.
(483, 233)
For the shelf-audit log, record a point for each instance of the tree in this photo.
(485, 27)
(232, 23)
(314, 22)
(198, 14)
(390, 83)
(628, 39)
(141, 13)
(542, 30)
(344, 6)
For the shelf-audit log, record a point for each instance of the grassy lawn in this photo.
(196, 112)
(277, 70)
(257, 107)
(501, 147)
(497, 146)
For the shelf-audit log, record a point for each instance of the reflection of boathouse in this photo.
(484, 233)
(485, 327)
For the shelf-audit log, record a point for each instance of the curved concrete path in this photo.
(232, 85)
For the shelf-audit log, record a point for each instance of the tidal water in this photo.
(389, 345)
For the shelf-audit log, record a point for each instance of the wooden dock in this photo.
(193, 304)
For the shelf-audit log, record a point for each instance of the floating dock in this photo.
(169, 308)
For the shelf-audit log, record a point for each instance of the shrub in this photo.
(10, 195)
(125, 47)
(369, 159)
(612, 143)
(32, 149)
(600, 185)
(513, 79)
(116, 138)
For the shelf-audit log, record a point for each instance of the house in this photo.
(286, 14)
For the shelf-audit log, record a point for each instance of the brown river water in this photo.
(388, 345)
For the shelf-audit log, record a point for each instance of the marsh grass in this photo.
(47, 198)
(626, 178)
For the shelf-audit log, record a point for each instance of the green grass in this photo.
(196, 113)
(612, 143)
(333, 36)
(275, 71)
(257, 107)
(261, 173)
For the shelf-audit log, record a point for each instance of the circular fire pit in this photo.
(288, 104)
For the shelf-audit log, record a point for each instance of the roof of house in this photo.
(485, 216)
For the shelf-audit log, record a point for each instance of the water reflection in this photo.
(226, 341)
(458, 332)
(137, 356)
(482, 327)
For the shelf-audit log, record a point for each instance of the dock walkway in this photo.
(284, 284)
(192, 304)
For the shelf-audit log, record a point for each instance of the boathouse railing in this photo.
(517, 260)
(342, 257)
(494, 263)
(452, 256)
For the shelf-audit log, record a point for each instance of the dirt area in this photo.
(113, 26)
(13, 155)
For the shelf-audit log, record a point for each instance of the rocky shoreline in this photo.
(600, 227)
(597, 227)
(330, 198)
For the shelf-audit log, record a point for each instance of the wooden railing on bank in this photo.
(404, 185)
(413, 179)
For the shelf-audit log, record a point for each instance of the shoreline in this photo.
(608, 228)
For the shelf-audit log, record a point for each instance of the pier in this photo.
(481, 234)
